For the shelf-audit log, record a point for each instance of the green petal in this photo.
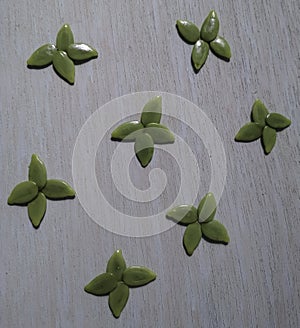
(37, 171)
(102, 284)
(116, 264)
(277, 121)
(81, 51)
(144, 148)
(37, 209)
(249, 132)
(183, 214)
(127, 131)
(188, 30)
(64, 38)
(152, 111)
(118, 299)
(259, 112)
(192, 237)
(207, 208)
(58, 189)
(43, 56)
(220, 48)
(159, 133)
(210, 27)
(64, 66)
(215, 231)
(268, 139)
(136, 276)
(199, 54)
(23, 193)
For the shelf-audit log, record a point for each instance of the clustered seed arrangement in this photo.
(63, 55)
(204, 39)
(37, 189)
(264, 125)
(116, 282)
(146, 132)
(199, 222)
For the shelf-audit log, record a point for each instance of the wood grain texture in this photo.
(252, 282)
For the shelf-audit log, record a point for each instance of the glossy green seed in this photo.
(37, 171)
(188, 30)
(199, 54)
(249, 132)
(259, 112)
(215, 231)
(58, 189)
(64, 38)
(136, 276)
(220, 48)
(277, 121)
(81, 51)
(127, 131)
(268, 139)
(102, 284)
(23, 193)
(116, 264)
(64, 66)
(37, 209)
(207, 208)
(159, 133)
(183, 214)
(192, 237)
(144, 148)
(152, 111)
(118, 299)
(210, 27)
(43, 56)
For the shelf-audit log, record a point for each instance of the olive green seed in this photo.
(102, 284)
(249, 132)
(192, 237)
(159, 133)
(188, 30)
(215, 231)
(64, 38)
(210, 27)
(207, 208)
(37, 209)
(144, 148)
(127, 131)
(118, 299)
(277, 121)
(64, 66)
(136, 276)
(81, 51)
(37, 171)
(58, 189)
(183, 214)
(152, 111)
(220, 48)
(259, 112)
(23, 193)
(268, 139)
(43, 56)
(116, 264)
(199, 54)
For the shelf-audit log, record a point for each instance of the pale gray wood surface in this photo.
(252, 282)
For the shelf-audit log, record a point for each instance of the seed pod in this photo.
(64, 66)
(43, 56)
(152, 111)
(199, 54)
(58, 189)
(249, 132)
(220, 48)
(136, 276)
(37, 209)
(144, 148)
(81, 51)
(37, 171)
(118, 299)
(127, 131)
(192, 237)
(259, 113)
(215, 231)
(102, 284)
(183, 214)
(23, 193)
(207, 208)
(277, 121)
(116, 264)
(188, 31)
(64, 38)
(268, 139)
(159, 133)
(210, 27)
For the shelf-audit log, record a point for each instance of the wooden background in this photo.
(252, 282)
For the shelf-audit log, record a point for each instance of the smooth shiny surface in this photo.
(127, 131)
(249, 132)
(192, 237)
(144, 148)
(43, 56)
(118, 299)
(199, 54)
(102, 284)
(220, 47)
(259, 112)
(277, 121)
(58, 189)
(183, 214)
(215, 231)
(188, 31)
(64, 38)
(81, 51)
(160, 133)
(207, 208)
(210, 27)
(268, 139)
(116, 264)
(64, 66)
(137, 276)
(152, 111)
(37, 209)
(23, 193)
(37, 171)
